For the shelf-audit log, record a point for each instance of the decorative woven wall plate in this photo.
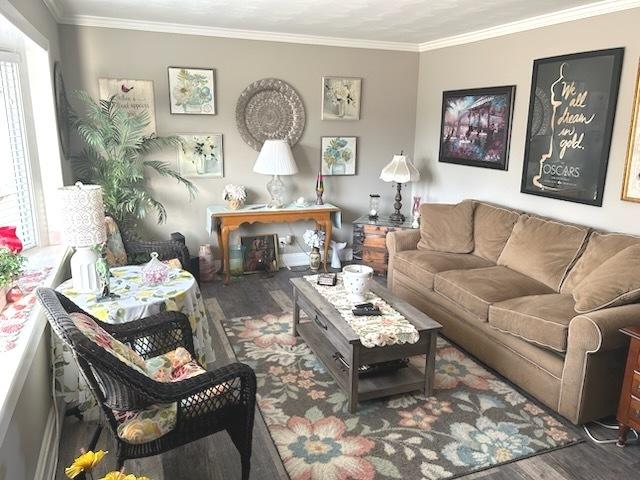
(270, 109)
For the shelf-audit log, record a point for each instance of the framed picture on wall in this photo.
(338, 155)
(133, 95)
(192, 91)
(475, 127)
(631, 183)
(260, 253)
(341, 98)
(201, 155)
(571, 111)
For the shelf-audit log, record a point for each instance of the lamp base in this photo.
(83, 271)
(277, 191)
(396, 216)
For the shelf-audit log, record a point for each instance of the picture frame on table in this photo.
(475, 126)
(201, 155)
(132, 95)
(260, 253)
(572, 108)
(631, 181)
(338, 155)
(341, 98)
(192, 91)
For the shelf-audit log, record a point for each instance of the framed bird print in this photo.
(133, 95)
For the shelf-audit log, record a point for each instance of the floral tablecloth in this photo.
(390, 328)
(180, 293)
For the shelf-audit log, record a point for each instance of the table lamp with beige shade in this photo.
(83, 227)
(399, 170)
(275, 158)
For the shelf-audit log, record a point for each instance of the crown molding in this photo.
(546, 20)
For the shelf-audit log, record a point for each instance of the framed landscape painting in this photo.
(339, 155)
(476, 126)
(192, 91)
(133, 95)
(631, 184)
(571, 111)
(341, 98)
(201, 155)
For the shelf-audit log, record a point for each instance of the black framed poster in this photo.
(571, 111)
(476, 126)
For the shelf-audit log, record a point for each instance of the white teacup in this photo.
(356, 280)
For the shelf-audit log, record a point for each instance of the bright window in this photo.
(17, 206)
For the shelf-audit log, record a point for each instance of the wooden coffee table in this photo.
(333, 341)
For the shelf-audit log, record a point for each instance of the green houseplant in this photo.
(115, 157)
(11, 265)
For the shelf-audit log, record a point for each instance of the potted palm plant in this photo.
(116, 157)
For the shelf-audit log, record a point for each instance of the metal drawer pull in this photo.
(319, 323)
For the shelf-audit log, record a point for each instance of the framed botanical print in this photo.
(631, 183)
(132, 95)
(571, 111)
(192, 91)
(339, 155)
(201, 155)
(341, 98)
(475, 127)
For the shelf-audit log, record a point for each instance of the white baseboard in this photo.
(298, 259)
(48, 458)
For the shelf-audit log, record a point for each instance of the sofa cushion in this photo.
(492, 226)
(539, 319)
(543, 249)
(475, 290)
(446, 228)
(600, 248)
(615, 282)
(422, 265)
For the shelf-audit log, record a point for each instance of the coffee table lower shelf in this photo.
(377, 385)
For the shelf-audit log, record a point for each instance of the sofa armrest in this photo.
(600, 330)
(402, 240)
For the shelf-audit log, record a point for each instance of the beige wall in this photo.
(386, 126)
(508, 60)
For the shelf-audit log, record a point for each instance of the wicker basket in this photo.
(235, 204)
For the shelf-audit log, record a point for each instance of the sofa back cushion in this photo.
(446, 228)
(492, 227)
(615, 282)
(600, 248)
(543, 249)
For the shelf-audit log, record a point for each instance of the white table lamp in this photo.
(400, 170)
(83, 228)
(275, 158)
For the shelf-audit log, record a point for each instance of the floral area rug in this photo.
(474, 421)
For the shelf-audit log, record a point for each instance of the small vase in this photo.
(314, 259)
(235, 204)
(340, 110)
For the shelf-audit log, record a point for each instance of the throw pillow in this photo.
(615, 282)
(115, 253)
(446, 228)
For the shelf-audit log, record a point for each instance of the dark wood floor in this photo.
(214, 458)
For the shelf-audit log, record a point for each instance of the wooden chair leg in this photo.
(95, 437)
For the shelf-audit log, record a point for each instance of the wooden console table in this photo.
(223, 221)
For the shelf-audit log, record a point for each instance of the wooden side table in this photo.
(369, 241)
(629, 406)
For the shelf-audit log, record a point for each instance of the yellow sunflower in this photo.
(84, 463)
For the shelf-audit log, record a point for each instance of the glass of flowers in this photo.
(314, 239)
(235, 196)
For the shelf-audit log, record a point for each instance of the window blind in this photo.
(16, 189)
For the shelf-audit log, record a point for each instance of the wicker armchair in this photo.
(209, 402)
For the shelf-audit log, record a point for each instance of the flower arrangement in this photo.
(235, 195)
(340, 93)
(191, 89)
(314, 238)
(87, 461)
(201, 151)
(11, 265)
(337, 152)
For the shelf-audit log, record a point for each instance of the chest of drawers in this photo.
(629, 406)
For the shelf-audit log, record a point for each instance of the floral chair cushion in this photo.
(99, 336)
(142, 426)
(167, 367)
(115, 253)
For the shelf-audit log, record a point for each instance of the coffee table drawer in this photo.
(326, 328)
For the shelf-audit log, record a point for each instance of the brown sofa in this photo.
(501, 283)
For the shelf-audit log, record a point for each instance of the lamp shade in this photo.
(275, 158)
(400, 170)
(82, 215)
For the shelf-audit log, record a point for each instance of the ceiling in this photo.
(402, 22)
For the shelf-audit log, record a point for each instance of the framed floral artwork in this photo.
(201, 155)
(339, 155)
(631, 184)
(341, 98)
(132, 95)
(192, 91)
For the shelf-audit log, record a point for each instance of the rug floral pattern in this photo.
(474, 421)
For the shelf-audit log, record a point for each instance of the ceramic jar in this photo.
(314, 259)
(235, 204)
(356, 279)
